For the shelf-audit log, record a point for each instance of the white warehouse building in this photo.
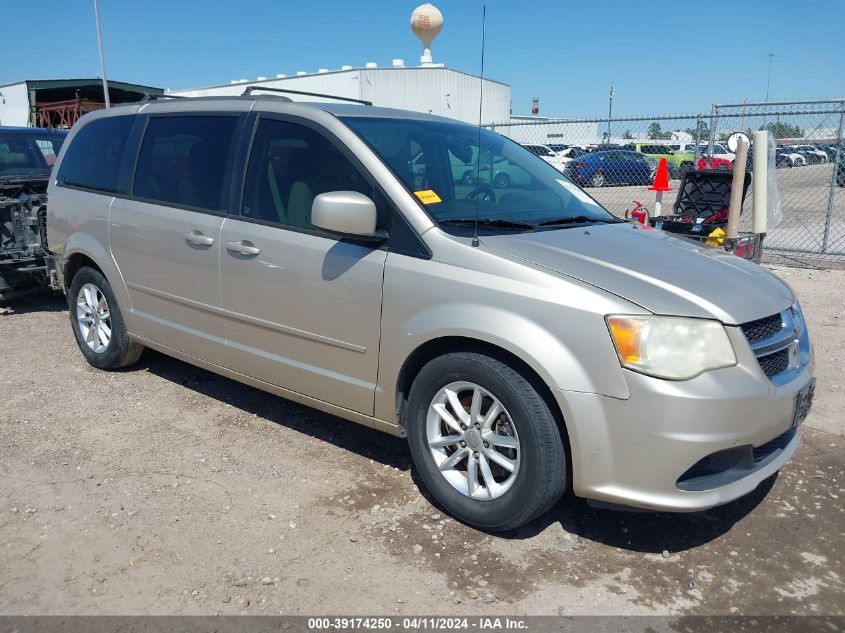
(433, 89)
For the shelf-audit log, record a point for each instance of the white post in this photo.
(736, 188)
(761, 180)
(658, 203)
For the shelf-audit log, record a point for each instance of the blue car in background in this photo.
(610, 167)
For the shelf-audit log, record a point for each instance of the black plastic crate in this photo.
(707, 193)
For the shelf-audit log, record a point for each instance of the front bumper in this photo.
(633, 452)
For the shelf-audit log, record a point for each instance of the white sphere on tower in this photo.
(426, 23)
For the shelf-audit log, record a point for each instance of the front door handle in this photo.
(198, 238)
(244, 247)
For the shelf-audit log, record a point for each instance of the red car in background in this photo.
(714, 163)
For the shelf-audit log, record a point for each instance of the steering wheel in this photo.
(484, 191)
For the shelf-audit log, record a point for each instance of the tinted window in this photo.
(289, 166)
(28, 154)
(95, 155)
(183, 160)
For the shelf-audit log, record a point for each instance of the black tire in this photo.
(540, 479)
(598, 180)
(120, 350)
(468, 178)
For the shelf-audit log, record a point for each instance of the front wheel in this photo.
(484, 441)
(98, 323)
(598, 179)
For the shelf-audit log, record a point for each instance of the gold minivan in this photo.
(522, 338)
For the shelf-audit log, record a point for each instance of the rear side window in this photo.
(95, 155)
(183, 160)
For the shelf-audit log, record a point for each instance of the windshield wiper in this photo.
(579, 219)
(495, 223)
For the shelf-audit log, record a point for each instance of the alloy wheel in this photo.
(473, 441)
(94, 318)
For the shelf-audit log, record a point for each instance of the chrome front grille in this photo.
(761, 329)
(774, 364)
(780, 343)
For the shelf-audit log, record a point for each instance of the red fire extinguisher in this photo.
(638, 213)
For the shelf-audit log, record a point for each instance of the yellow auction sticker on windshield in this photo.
(427, 196)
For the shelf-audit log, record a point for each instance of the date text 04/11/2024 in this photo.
(430, 623)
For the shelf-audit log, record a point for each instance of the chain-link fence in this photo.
(616, 160)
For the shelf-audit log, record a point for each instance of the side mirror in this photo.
(347, 213)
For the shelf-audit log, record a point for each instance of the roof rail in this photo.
(151, 97)
(250, 89)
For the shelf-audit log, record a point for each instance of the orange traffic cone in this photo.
(661, 184)
(661, 180)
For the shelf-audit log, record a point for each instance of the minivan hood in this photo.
(661, 272)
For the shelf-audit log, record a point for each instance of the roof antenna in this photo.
(475, 241)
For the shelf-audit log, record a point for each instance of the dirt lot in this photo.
(166, 489)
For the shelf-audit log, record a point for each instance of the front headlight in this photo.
(676, 348)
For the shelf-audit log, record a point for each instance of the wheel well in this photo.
(74, 263)
(438, 347)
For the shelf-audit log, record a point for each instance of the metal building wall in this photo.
(440, 91)
(14, 105)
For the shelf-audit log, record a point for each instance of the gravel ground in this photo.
(165, 489)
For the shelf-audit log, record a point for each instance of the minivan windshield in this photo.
(509, 187)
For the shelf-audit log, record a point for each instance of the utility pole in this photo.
(609, 112)
(106, 99)
(769, 80)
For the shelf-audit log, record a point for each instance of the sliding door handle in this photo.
(197, 237)
(244, 247)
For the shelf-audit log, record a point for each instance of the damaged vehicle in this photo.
(27, 156)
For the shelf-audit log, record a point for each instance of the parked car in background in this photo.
(830, 150)
(571, 153)
(783, 159)
(790, 158)
(612, 167)
(674, 172)
(719, 151)
(557, 148)
(547, 154)
(26, 157)
(813, 155)
(683, 160)
(493, 171)
(706, 162)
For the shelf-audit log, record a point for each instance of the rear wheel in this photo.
(98, 323)
(484, 441)
(598, 179)
(468, 178)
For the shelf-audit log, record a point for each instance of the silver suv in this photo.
(523, 339)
